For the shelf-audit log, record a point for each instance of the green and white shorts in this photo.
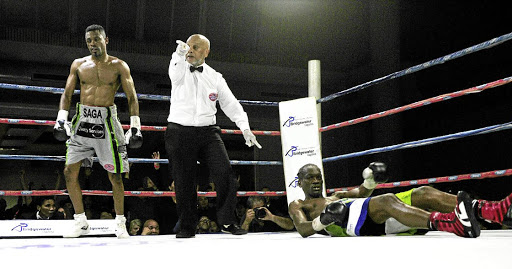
(97, 130)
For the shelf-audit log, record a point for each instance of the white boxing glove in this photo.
(369, 181)
(182, 48)
(62, 128)
(375, 174)
(133, 136)
(250, 139)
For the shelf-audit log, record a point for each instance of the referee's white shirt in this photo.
(194, 96)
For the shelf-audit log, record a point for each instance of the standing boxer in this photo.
(95, 127)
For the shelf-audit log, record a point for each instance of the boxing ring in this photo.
(255, 250)
(288, 248)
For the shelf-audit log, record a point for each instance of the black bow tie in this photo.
(199, 68)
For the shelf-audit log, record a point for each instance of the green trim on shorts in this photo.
(76, 118)
(336, 231)
(405, 196)
(112, 138)
(110, 131)
(67, 151)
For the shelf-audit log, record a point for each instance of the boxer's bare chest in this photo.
(98, 74)
(313, 207)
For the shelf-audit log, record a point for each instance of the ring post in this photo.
(314, 89)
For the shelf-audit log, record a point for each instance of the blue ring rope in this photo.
(131, 160)
(440, 60)
(141, 96)
(412, 144)
(424, 142)
(416, 68)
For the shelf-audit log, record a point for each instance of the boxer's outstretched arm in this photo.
(359, 192)
(302, 224)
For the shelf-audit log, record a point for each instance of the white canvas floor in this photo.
(261, 250)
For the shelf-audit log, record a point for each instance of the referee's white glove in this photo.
(182, 48)
(250, 139)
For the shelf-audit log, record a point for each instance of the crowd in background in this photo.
(145, 215)
(150, 215)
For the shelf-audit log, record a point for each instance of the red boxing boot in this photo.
(461, 221)
(499, 212)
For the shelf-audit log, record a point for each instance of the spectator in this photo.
(46, 210)
(276, 204)
(66, 208)
(241, 209)
(204, 208)
(162, 208)
(214, 228)
(258, 218)
(3, 207)
(166, 207)
(203, 226)
(106, 215)
(27, 200)
(151, 227)
(85, 178)
(148, 184)
(143, 207)
(161, 173)
(63, 212)
(267, 198)
(88, 207)
(13, 212)
(135, 227)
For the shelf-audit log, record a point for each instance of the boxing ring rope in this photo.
(131, 160)
(416, 68)
(440, 60)
(415, 182)
(428, 141)
(432, 180)
(125, 126)
(440, 98)
(412, 144)
(424, 142)
(133, 193)
(141, 96)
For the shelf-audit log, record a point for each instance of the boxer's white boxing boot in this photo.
(80, 226)
(121, 232)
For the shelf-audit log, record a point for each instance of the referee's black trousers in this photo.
(185, 146)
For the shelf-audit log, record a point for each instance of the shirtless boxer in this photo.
(95, 128)
(342, 214)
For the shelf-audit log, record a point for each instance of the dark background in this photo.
(263, 48)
